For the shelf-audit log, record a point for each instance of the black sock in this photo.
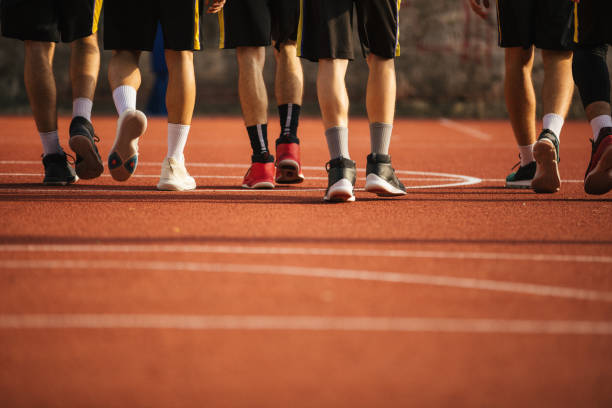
(258, 135)
(289, 119)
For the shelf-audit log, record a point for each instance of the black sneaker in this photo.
(546, 154)
(58, 172)
(522, 177)
(381, 178)
(341, 176)
(88, 162)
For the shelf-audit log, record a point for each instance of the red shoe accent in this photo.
(598, 178)
(288, 167)
(259, 175)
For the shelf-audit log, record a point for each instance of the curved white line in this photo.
(343, 274)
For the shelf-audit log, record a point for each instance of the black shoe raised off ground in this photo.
(522, 177)
(88, 163)
(58, 172)
(381, 178)
(598, 177)
(341, 176)
(546, 154)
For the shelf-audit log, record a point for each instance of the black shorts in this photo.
(326, 28)
(254, 23)
(591, 22)
(524, 23)
(49, 20)
(132, 24)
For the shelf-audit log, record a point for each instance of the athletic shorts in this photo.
(524, 23)
(254, 23)
(132, 24)
(49, 20)
(592, 22)
(326, 28)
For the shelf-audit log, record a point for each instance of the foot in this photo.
(88, 163)
(522, 177)
(261, 174)
(58, 172)
(598, 178)
(288, 167)
(546, 154)
(381, 178)
(174, 176)
(341, 176)
(123, 156)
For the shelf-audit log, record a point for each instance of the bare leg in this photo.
(289, 78)
(84, 67)
(520, 95)
(331, 92)
(251, 86)
(40, 84)
(123, 69)
(558, 84)
(380, 97)
(180, 97)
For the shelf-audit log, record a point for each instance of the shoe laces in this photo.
(96, 138)
(517, 164)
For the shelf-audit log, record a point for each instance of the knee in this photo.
(39, 51)
(518, 59)
(250, 57)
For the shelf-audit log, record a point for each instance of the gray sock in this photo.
(380, 137)
(337, 142)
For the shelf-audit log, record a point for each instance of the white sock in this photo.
(125, 98)
(177, 138)
(554, 123)
(526, 154)
(599, 123)
(50, 142)
(82, 107)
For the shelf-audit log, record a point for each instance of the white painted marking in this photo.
(302, 323)
(335, 252)
(343, 274)
(468, 130)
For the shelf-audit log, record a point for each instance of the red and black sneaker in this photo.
(261, 174)
(598, 177)
(288, 166)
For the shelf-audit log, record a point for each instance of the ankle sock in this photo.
(50, 142)
(82, 107)
(337, 142)
(124, 97)
(177, 139)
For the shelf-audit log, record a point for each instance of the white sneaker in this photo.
(123, 156)
(174, 176)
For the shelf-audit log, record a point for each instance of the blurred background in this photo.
(449, 66)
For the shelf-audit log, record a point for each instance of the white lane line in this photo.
(343, 274)
(504, 180)
(302, 323)
(468, 130)
(271, 250)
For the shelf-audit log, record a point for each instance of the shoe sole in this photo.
(523, 184)
(288, 172)
(130, 129)
(60, 182)
(379, 186)
(340, 191)
(262, 185)
(91, 165)
(169, 186)
(547, 178)
(599, 181)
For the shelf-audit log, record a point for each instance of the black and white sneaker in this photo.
(381, 178)
(341, 176)
(88, 163)
(58, 172)
(546, 154)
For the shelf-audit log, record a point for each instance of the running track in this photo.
(459, 294)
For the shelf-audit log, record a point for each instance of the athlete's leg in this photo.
(180, 96)
(380, 94)
(558, 87)
(289, 90)
(40, 84)
(519, 94)
(123, 71)
(331, 92)
(289, 79)
(251, 86)
(84, 66)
